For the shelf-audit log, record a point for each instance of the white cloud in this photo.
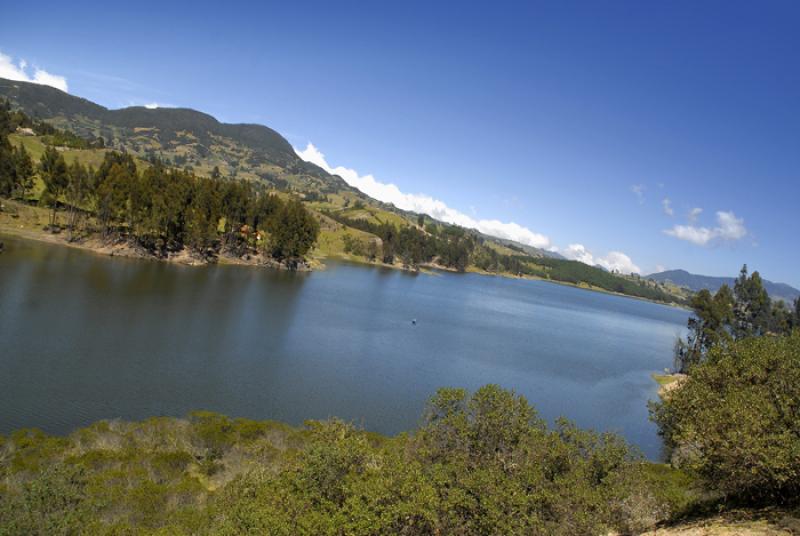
(667, 204)
(729, 228)
(19, 72)
(152, 105)
(613, 261)
(421, 203)
(694, 214)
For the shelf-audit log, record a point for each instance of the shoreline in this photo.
(124, 250)
(668, 382)
(314, 263)
(30, 228)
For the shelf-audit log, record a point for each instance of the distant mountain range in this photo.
(695, 282)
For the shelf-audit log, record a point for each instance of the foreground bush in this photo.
(736, 421)
(480, 464)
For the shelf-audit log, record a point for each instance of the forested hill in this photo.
(695, 282)
(182, 135)
(52, 126)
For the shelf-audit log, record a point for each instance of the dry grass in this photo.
(765, 522)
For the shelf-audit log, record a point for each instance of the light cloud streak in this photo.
(19, 72)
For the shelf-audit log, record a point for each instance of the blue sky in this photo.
(575, 121)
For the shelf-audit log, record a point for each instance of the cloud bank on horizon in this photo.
(421, 203)
(615, 261)
(425, 204)
(19, 72)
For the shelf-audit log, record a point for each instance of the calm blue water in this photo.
(85, 337)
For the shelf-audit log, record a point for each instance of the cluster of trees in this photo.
(566, 271)
(16, 166)
(489, 259)
(160, 208)
(733, 314)
(578, 272)
(484, 463)
(449, 246)
(165, 209)
(735, 419)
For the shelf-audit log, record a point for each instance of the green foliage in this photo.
(450, 248)
(293, 231)
(752, 309)
(483, 463)
(158, 208)
(708, 327)
(578, 272)
(16, 170)
(726, 316)
(676, 490)
(54, 502)
(53, 171)
(736, 421)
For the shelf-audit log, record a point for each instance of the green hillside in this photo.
(353, 225)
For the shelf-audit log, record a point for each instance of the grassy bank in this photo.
(28, 221)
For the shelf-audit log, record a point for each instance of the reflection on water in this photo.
(85, 337)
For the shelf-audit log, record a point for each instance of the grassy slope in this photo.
(330, 243)
(35, 147)
(23, 220)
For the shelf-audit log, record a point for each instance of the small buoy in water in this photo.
(414, 321)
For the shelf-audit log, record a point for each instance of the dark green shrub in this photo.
(736, 421)
(53, 503)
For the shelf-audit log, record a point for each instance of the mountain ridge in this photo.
(696, 282)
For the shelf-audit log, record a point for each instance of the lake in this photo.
(85, 337)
